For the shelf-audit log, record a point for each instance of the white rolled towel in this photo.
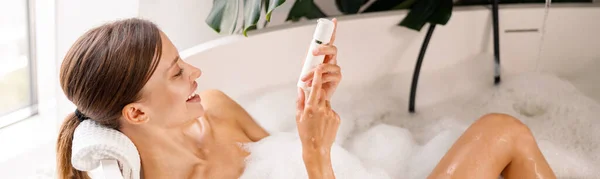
(93, 143)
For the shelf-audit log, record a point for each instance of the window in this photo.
(17, 63)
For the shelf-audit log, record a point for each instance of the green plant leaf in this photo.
(271, 6)
(404, 5)
(266, 4)
(304, 8)
(419, 14)
(223, 16)
(215, 16)
(383, 5)
(252, 10)
(443, 13)
(350, 6)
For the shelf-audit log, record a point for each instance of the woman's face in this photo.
(170, 96)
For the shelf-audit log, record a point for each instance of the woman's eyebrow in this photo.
(174, 62)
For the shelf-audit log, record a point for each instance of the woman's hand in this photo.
(317, 123)
(332, 74)
(317, 127)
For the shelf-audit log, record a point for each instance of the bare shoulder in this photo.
(216, 103)
(214, 95)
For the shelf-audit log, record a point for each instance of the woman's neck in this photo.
(167, 154)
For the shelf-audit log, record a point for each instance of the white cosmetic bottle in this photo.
(322, 35)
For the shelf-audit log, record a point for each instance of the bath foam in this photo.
(386, 147)
(280, 156)
(561, 118)
(564, 163)
(424, 160)
(274, 110)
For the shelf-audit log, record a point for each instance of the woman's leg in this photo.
(493, 145)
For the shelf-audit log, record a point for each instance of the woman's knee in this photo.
(506, 124)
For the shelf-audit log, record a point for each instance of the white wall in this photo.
(183, 20)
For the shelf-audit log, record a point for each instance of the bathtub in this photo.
(371, 45)
(459, 62)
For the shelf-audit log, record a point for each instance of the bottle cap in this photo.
(324, 30)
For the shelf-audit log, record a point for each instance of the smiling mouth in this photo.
(193, 98)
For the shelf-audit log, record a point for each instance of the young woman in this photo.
(127, 75)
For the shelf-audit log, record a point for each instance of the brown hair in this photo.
(103, 71)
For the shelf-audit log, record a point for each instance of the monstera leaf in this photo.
(304, 8)
(428, 11)
(252, 10)
(270, 5)
(382, 5)
(350, 6)
(421, 11)
(216, 18)
(223, 16)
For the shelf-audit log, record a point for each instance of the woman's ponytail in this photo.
(63, 150)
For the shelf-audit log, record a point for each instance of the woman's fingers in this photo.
(332, 78)
(300, 105)
(322, 98)
(329, 51)
(334, 20)
(327, 78)
(300, 100)
(315, 94)
(325, 50)
(333, 57)
(325, 68)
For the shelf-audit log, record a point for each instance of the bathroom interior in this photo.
(537, 60)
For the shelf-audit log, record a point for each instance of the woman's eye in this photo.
(179, 73)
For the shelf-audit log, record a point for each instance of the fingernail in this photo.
(315, 51)
(309, 83)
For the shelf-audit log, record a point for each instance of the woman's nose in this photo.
(196, 73)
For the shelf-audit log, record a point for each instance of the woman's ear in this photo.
(134, 113)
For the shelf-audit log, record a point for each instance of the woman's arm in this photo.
(317, 123)
(317, 127)
(223, 106)
(318, 166)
